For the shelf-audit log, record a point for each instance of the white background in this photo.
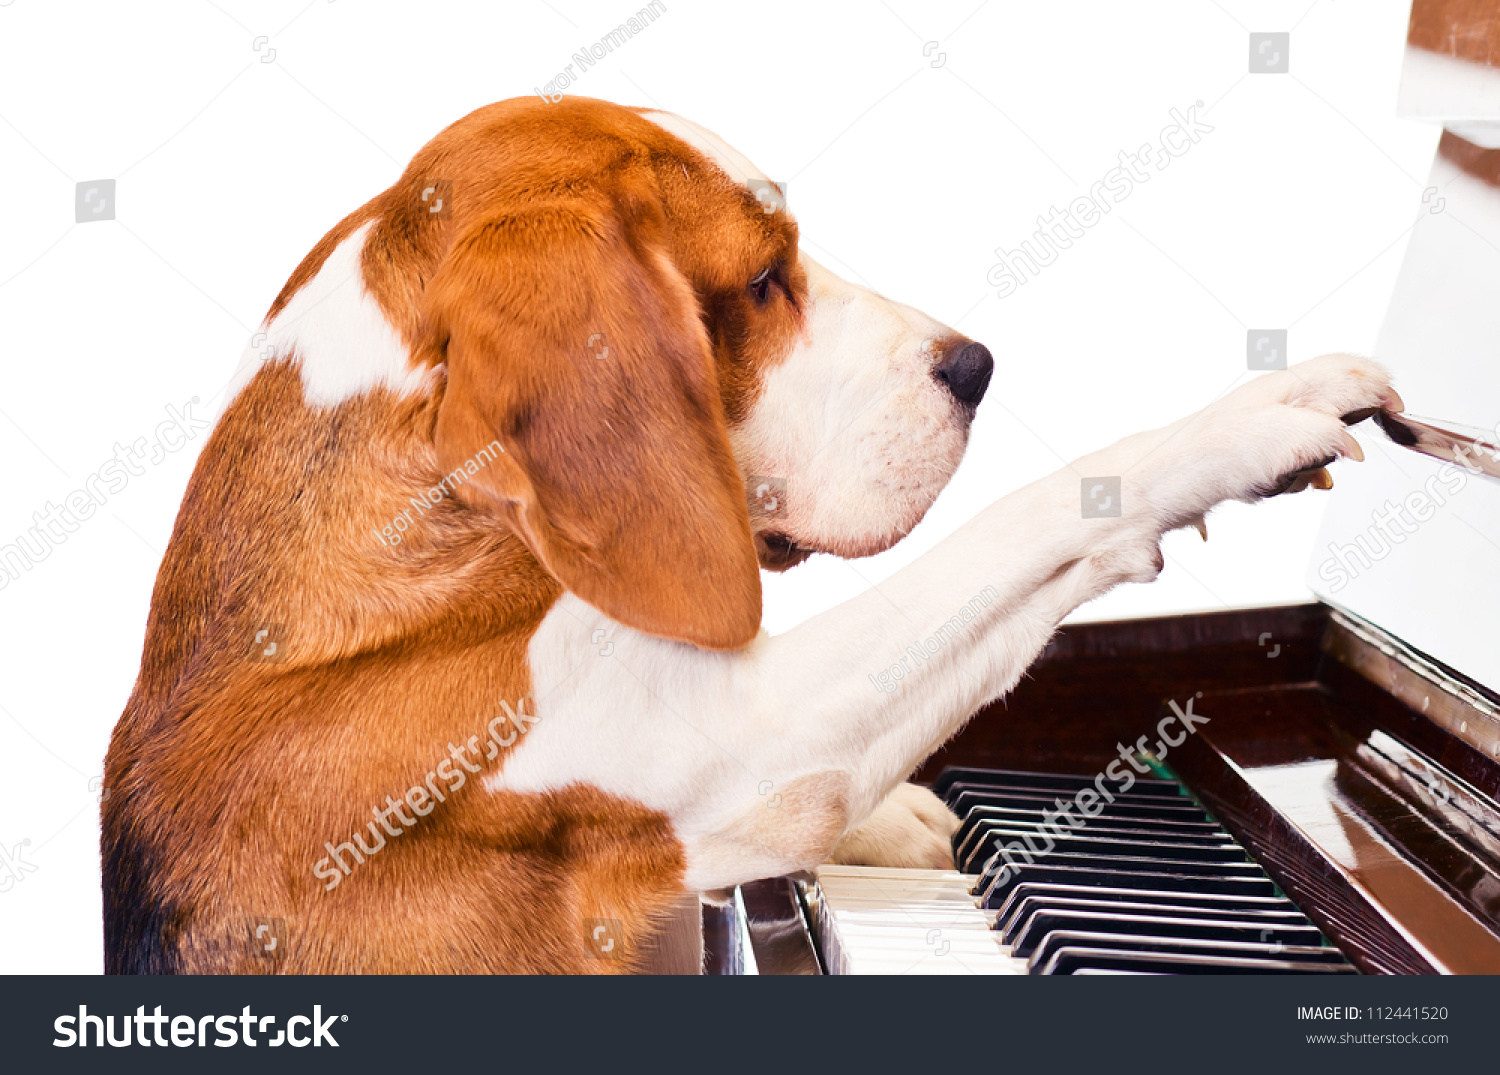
(1291, 214)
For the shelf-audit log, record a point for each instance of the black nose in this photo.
(966, 371)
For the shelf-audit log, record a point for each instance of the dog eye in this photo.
(760, 287)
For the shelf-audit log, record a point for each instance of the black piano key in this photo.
(1047, 784)
(1066, 793)
(1203, 830)
(1150, 828)
(994, 839)
(1137, 828)
(1033, 815)
(996, 835)
(1029, 798)
(993, 888)
(1142, 942)
(1212, 901)
(958, 774)
(1149, 884)
(1014, 920)
(1043, 924)
(1078, 959)
(1124, 942)
(968, 839)
(972, 792)
(1000, 865)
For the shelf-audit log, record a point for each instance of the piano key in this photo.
(991, 843)
(1030, 798)
(1135, 943)
(1020, 917)
(984, 835)
(1133, 797)
(1075, 960)
(960, 774)
(1130, 828)
(864, 915)
(1043, 924)
(1007, 861)
(1103, 822)
(893, 885)
(994, 836)
(916, 937)
(927, 963)
(1042, 789)
(994, 888)
(1185, 819)
(1032, 890)
(966, 842)
(873, 920)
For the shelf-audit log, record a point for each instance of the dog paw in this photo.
(912, 828)
(1270, 436)
(1334, 385)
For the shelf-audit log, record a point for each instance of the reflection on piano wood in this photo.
(1338, 811)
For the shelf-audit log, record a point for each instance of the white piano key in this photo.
(891, 921)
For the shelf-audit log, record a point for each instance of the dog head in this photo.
(683, 395)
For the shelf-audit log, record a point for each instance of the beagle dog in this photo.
(454, 661)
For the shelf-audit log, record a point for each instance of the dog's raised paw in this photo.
(912, 828)
(1274, 435)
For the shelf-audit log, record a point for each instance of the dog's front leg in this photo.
(869, 689)
(763, 759)
(858, 696)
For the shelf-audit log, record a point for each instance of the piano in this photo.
(1335, 806)
(1336, 811)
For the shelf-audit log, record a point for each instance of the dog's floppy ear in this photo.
(571, 338)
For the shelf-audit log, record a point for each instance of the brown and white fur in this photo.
(576, 622)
